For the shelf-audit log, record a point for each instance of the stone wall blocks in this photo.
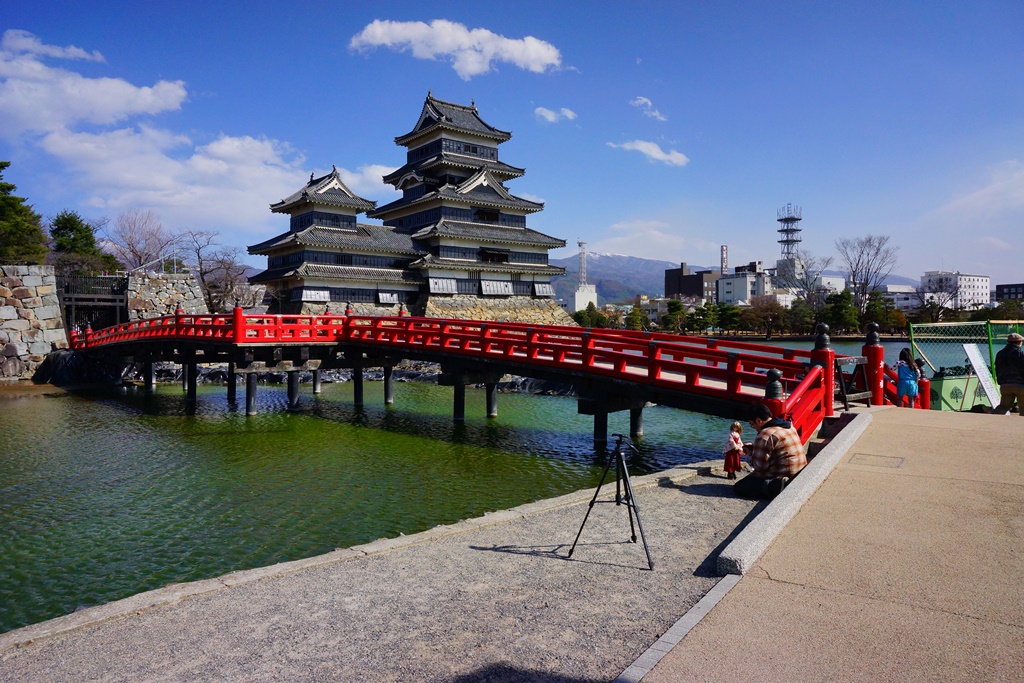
(22, 292)
(51, 300)
(55, 336)
(19, 324)
(32, 302)
(5, 292)
(48, 312)
(8, 313)
(42, 290)
(11, 282)
(15, 349)
(32, 280)
(39, 348)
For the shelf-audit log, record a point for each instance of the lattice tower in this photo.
(789, 218)
(583, 263)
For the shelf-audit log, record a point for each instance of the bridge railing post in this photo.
(588, 349)
(179, 315)
(238, 324)
(825, 356)
(653, 360)
(875, 368)
(774, 394)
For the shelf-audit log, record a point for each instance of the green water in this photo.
(107, 495)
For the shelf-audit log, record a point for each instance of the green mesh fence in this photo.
(941, 346)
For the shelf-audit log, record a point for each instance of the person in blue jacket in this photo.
(907, 375)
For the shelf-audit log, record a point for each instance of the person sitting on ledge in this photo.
(776, 455)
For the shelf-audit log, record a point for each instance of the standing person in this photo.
(1010, 375)
(776, 455)
(907, 375)
(733, 450)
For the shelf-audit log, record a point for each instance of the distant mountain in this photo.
(620, 278)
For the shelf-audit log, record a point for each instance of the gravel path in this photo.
(492, 599)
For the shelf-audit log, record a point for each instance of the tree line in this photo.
(135, 240)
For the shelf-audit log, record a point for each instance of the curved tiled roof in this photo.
(456, 117)
(431, 261)
(372, 238)
(349, 273)
(480, 195)
(459, 161)
(486, 232)
(326, 190)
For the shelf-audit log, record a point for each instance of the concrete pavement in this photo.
(905, 565)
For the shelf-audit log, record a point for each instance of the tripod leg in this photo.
(632, 507)
(607, 467)
(621, 474)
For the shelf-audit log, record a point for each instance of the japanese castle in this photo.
(455, 245)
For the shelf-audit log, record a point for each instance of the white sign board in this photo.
(984, 376)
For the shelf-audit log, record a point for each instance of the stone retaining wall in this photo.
(31, 324)
(151, 295)
(520, 309)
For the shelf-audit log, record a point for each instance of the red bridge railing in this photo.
(731, 370)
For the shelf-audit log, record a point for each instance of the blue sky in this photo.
(660, 130)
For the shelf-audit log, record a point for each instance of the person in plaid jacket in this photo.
(776, 455)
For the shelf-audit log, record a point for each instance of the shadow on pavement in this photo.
(552, 552)
(506, 673)
(709, 567)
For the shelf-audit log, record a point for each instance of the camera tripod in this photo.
(623, 494)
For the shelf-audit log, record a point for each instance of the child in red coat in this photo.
(733, 450)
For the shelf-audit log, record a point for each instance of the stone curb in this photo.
(649, 659)
(740, 555)
(173, 593)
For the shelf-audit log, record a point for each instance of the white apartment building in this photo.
(972, 291)
(740, 288)
(904, 297)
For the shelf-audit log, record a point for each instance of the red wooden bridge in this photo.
(612, 370)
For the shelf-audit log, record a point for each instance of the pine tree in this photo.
(22, 240)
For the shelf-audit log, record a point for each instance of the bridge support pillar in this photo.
(293, 390)
(316, 381)
(250, 393)
(492, 399)
(232, 382)
(600, 428)
(636, 422)
(459, 402)
(389, 387)
(149, 371)
(357, 385)
(184, 376)
(192, 372)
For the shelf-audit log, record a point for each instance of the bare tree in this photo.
(219, 270)
(868, 260)
(804, 278)
(936, 295)
(138, 238)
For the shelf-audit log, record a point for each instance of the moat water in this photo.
(108, 494)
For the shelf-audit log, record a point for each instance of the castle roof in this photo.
(455, 160)
(431, 261)
(372, 238)
(326, 190)
(488, 232)
(482, 190)
(440, 115)
(348, 273)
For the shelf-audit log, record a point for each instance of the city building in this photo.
(681, 282)
(1014, 291)
(456, 239)
(962, 290)
(904, 297)
(744, 284)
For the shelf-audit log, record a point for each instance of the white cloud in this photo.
(550, 116)
(647, 107)
(224, 184)
(471, 51)
(530, 197)
(1004, 192)
(38, 98)
(990, 242)
(654, 152)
